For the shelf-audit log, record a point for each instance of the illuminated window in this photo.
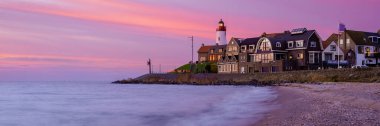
(300, 56)
(265, 46)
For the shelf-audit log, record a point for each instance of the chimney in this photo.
(264, 34)
(217, 44)
(203, 44)
(378, 32)
(287, 32)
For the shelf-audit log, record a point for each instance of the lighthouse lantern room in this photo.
(221, 35)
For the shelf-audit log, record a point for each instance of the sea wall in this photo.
(315, 76)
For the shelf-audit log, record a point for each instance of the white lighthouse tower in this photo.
(221, 34)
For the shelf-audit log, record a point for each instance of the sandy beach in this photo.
(325, 104)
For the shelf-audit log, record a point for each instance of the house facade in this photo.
(299, 49)
(229, 63)
(333, 56)
(358, 47)
(247, 48)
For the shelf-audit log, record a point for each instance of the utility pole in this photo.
(192, 49)
(150, 66)
(160, 68)
(192, 53)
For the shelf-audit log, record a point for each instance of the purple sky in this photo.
(112, 39)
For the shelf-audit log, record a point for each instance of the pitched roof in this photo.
(204, 49)
(216, 47)
(250, 41)
(333, 37)
(360, 37)
(288, 36)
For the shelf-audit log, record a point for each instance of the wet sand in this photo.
(325, 104)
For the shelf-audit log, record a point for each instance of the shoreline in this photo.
(368, 75)
(325, 104)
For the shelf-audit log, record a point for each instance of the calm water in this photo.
(102, 104)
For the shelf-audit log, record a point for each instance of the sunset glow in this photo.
(112, 39)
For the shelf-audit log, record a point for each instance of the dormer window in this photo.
(374, 39)
(243, 48)
(251, 47)
(313, 44)
(299, 43)
(212, 51)
(278, 44)
(290, 44)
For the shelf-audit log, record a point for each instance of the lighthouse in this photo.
(221, 34)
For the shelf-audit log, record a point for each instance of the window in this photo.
(373, 39)
(220, 50)
(290, 44)
(265, 46)
(212, 51)
(278, 44)
(313, 44)
(367, 51)
(341, 41)
(300, 56)
(267, 57)
(251, 47)
(360, 49)
(333, 47)
(234, 48)
(299, 43)
(311, 58)
(243, 48)
(264, 58)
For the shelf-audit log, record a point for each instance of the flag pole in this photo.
(338, 49)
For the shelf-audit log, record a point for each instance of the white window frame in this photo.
(311, 58)
(331, 49)
(253, 47)
(290, 44)
(313, 44)
(243, 50)
(278, 44)
(299, 43)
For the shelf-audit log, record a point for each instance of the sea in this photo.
(104, 104)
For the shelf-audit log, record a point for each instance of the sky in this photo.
(106, 40)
